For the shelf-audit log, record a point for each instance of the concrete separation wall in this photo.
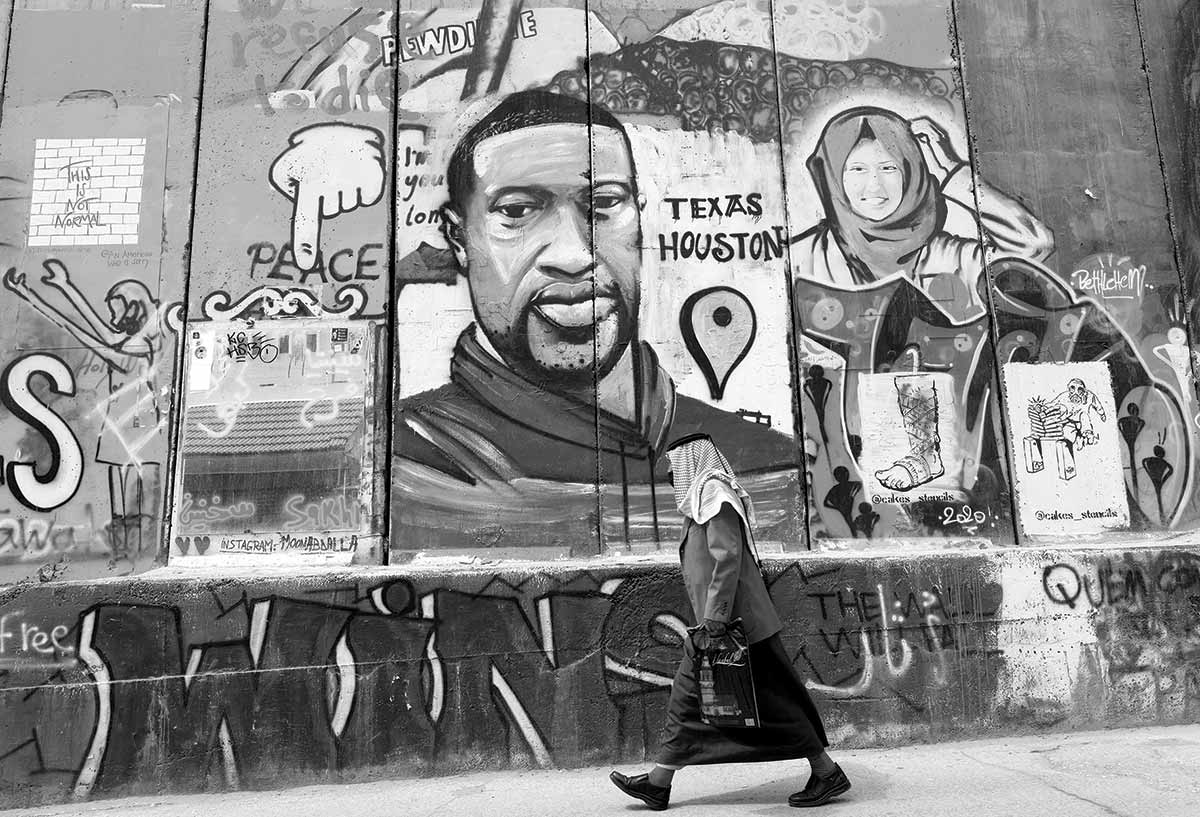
(340, 344)
(174, 682)
(249, 317)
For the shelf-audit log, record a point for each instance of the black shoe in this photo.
(820, 790)
(639, 786)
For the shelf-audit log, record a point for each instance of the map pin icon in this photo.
(718, 326)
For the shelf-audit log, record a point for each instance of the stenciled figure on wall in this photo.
(129, 342)
(544, 220)
(1131, 426)
(918, 402)
(1159, 470)
(1078, 404)
(1064, 422)
(841, 496)
(885, 286)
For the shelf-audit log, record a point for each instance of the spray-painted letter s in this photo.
(56, 487)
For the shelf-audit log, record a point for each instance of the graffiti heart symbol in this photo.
(184, 543)
(202, 543)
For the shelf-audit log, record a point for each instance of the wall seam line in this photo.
(12, 14)
(1005, 449)
(1162, 167)
(391, 315)
(1185, 294)
(793, 327)
(175, 422)
(587, 84)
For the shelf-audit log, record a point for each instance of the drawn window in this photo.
(275, 460)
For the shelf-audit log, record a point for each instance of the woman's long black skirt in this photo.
(791, 726)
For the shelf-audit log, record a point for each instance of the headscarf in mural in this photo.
(874, 249)
(704, 481)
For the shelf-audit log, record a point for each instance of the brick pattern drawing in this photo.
(86, 191)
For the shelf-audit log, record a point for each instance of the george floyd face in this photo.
(549, 304)
(873, 181)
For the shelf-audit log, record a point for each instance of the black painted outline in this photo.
(716, 387)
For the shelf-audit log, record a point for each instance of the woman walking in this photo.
(724, 584)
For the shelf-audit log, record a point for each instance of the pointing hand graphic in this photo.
(327, 169)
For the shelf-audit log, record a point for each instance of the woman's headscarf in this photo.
(704, 481)
(875, 249)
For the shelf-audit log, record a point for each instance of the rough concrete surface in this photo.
(1149, 772)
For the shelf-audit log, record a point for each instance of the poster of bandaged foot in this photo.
(910, 453)
(1066, 448)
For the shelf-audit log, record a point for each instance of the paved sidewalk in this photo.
(1151, 772)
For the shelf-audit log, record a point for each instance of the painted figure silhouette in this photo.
(866, 520)
(128, 341)
(1159, 471)
(842, 495)
(817, 386)
(1130, 427)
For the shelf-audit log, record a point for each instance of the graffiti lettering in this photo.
(60, 482)
(965, 516)
(339, 100)
(420, 181)
(256, 347)
(29, 638)
(127, 257)
(496, 669)
(200, 514)
(34, 537)
(328, 513)
(343, 266)
(763, 245)
(1120, 584)
(731, 204)
(414, 217)
(1145, 611)
(318, 544)
(249, 545)
(277, 543)
(77, 219)
(1111, 277)
(449, 39)
(301, 34)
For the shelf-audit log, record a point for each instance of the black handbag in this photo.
(727, 696)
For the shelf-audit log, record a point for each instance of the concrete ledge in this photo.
(184, 681)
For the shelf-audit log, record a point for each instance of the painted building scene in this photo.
(342, 346)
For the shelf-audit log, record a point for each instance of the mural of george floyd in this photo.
(340, 344)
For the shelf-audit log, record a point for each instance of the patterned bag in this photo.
(727, 695)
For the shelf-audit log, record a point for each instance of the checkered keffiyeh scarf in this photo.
(704, 481)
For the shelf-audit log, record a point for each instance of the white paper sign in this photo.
(910, 432)
(1065, 448)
